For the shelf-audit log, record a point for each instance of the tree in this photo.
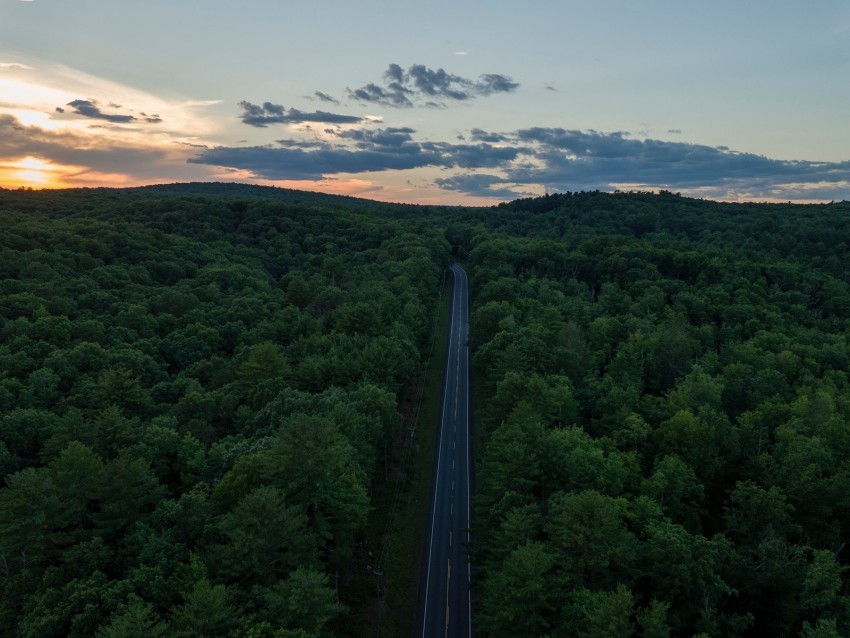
(78, 474)
(206, 612)
(129, 491)
(264, 539)
(136, 619)
(32, 519)
(304, 601)
(823, 628)
(516, 599)
(588, 531)
(607, 614)
(653, 620)
(265, 361)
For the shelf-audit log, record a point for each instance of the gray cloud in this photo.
(300, 164)
(419, 83)
(572, 160)
(360, 151)
(479, 135)
(324, 97)
(395, 137)
(495, 83)
(479, 185)
(393, 94)
(505, 165)
(261, 115)
(90, 108)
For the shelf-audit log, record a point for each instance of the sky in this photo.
(439, 102)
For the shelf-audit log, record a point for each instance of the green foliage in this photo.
(698, 481)
(136, 619)
(212, 371)
(198, 371)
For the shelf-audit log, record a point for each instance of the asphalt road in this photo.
(444, 595)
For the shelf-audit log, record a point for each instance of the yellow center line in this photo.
(448, 582)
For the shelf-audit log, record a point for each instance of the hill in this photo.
(199, 387)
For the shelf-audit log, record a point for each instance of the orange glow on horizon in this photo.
(30, 171)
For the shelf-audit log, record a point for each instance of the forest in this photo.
(200, 388)
(196, 393)
(663, 385)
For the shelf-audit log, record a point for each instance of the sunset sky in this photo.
(462, 102)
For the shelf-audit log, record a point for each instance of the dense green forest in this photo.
(196, 391)
(200, 384)
(664, 388)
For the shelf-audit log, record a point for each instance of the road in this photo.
(444, 596)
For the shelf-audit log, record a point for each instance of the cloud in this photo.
(324, 97)
(81, 158)
(299, 164)
(479, 185)
(480, 135)
(71, 148)
(355, 151)
(261, 115)
(392, 95)
(420, 84)
(90, 108)
(394, 137)
(571, 160)
(14, 65)
(490, 83)
(504, 165)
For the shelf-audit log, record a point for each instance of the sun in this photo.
(29, 171)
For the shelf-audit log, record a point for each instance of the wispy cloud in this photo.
(422, 85)
(92, 109)
(324, 97)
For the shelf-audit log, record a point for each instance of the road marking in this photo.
(448, 583)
